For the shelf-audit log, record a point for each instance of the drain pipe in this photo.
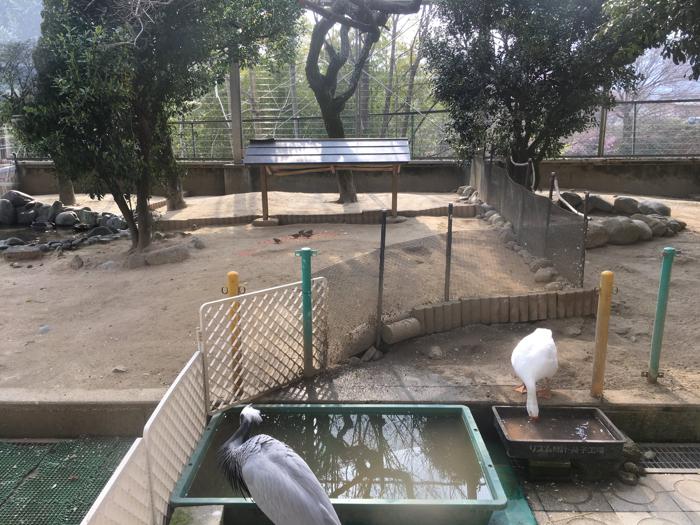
(653, 373)
(601, 333)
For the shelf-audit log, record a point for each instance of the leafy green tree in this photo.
(518, 76)
(673, 25)
(17, 77)
(111, 74)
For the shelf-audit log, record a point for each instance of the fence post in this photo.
(601, 333)
(307, 308)
(232, 290)
(380, 290)
(448, 251)
(413, 134)
(660, 319)
(583, 239)
(194, 147)
(634, 128)
(552, 178)
(601, 131)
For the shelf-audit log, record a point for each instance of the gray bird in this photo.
(279, 481)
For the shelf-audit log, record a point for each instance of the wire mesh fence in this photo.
(647, 128)
(543, 228)
(211, 139)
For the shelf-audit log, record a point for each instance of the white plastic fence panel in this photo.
(173, 431)
(126, 498)
(254, 342)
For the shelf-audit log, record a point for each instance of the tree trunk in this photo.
(127, 213)
(175, 198)
(66, 194)
(334, 128)
(389, 90)
(143, 214)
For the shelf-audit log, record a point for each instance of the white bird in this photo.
(533, 359)
(279, 481)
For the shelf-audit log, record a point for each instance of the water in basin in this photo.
(366, 456)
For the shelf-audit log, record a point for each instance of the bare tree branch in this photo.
(336, 17)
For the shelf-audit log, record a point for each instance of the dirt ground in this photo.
(65, 328)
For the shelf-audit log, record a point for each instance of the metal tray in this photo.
(572, 433)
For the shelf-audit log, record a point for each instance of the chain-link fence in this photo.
(544, 229)
(431, 264)
(647, 128)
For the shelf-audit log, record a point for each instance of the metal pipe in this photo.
(634, 128)
(601, 333)
(602, 130)
(307, 308)
(552, 179)
(583, 239)
(448, 251)
(659, 321)
(380, 290)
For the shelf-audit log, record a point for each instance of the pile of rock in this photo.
(20, 209)
(634, 221)
(542, 268)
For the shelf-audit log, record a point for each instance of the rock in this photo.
(158, 236)
(76, 262)
(135, 260)
(631, 451)
(645, 233)
(44, 248)
(369, 354)
(25, 217)
(545, 275)
(489, 213)
(572, 198)
(42, 212)
(621, 230)
(573, 330)
(117, 223)
(494, 217)
(598, 203)
(507, 236)
(649, 206)
(22, 253)
(197, 243)
(88, 217)
(630, 467)
(354, 361)
(657, 226)
(98, 230)
(121, 369)
(17, 198)
(433, 352)
(54, 210)
(538, 263)
(674, 225)
(171, 254)
(627, 477)
(7, 213)
(14, 241)
(378, 355)
(626, 206)
(554, 286)
(66, 218)
(107, 265)
(44, 329)
(40, 226)
(596, 235)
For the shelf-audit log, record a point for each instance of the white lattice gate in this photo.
(254, 342)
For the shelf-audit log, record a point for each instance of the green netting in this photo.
(55, 483)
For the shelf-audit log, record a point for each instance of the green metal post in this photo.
(305, 254)
(657, 337)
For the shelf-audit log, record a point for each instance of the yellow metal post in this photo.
(233, 283)
(601, 333)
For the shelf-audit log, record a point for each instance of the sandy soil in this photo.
(102, 317)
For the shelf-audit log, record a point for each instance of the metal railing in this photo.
(645, 128)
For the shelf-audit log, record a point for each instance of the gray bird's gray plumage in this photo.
(279, 481)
